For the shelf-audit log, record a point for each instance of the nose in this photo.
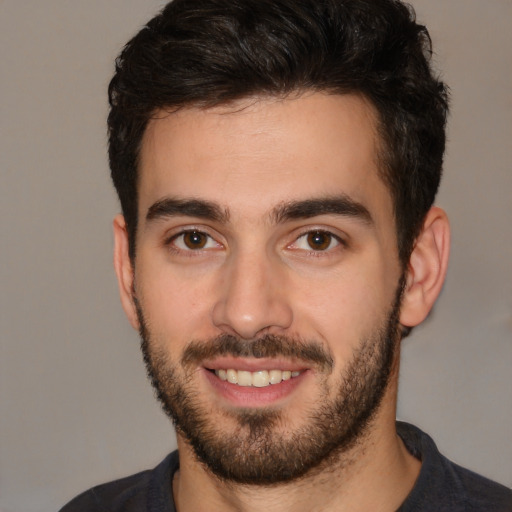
(253, 298)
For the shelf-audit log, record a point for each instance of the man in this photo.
(277, 162)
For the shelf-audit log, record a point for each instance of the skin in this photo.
(257, 275)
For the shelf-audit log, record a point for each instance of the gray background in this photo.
(75, 406)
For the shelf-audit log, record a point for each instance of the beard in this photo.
(262, 449)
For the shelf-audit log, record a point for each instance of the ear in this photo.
(427, 268)
(124, 270)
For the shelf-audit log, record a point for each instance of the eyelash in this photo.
(339, 242)
(170, 243)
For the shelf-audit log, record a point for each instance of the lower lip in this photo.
(250, 396)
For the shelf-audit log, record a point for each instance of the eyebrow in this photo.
(171, 207)
(335, 205)
(304, 209)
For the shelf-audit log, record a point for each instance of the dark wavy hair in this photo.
(205, 53)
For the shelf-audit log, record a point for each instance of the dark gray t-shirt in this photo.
(442, 486)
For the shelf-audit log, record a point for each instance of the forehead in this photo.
(260, 152)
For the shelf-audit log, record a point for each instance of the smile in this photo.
(258, 379)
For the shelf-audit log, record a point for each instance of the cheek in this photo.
(347, 309)
(175, 306)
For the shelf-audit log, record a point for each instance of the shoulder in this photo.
(128, 493)
(443, 485)
(479, 493)
(145, 491)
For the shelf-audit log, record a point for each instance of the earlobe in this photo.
(427, 268)
(124, 270)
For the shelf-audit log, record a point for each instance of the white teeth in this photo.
(244, 378)
(259, 379)
(232, 376)
(275, 376)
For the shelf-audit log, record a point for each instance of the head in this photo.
(276, 164)
(207, 53)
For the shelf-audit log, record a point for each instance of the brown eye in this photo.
(195, 240)
(316, 241)
(319, 240)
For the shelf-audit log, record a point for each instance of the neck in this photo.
(376, 474)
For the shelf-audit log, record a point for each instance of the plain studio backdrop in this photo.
(76, 409)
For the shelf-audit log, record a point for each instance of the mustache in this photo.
(265, 347)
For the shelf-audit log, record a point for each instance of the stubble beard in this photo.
(258, 451)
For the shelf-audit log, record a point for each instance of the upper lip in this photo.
(253, 364)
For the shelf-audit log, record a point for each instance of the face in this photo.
(266, 280)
